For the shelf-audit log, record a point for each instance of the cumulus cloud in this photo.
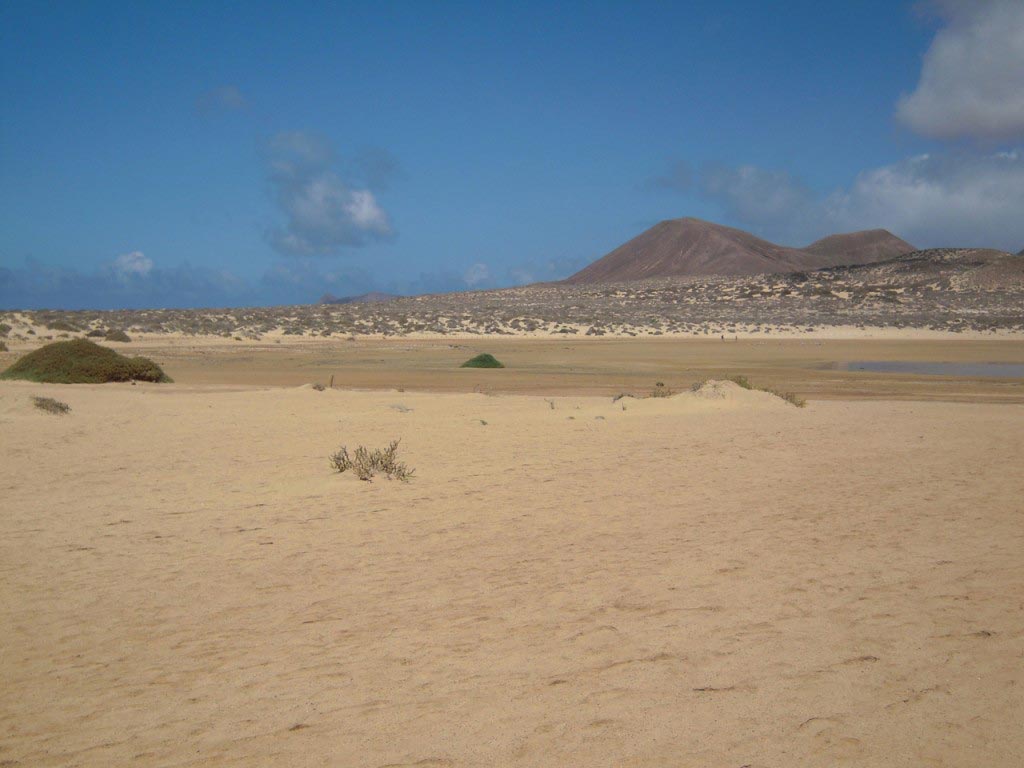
(476, 275)
(226, 98)
(940, 200)
(972, 76)
(134, 264)
(323, 212)
(931, 200)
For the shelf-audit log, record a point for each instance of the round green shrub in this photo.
(82, 362)
(482, 361)
(117, 335)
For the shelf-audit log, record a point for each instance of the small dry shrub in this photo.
(366, 463)
(319, 387)
(3, 346)
(789, 397)
(660, 390)
(50, 405)
(742, 381)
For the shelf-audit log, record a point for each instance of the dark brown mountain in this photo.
(860, 247)
(689, 247)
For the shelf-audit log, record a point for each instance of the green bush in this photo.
(82, 362)
(482, 361)
(4, 329)
(3, 346)
(96, 334)
(117, 335)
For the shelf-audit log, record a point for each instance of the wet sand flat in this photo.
(810, 367)
(685, 581)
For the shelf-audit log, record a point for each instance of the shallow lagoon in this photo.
(999, 370)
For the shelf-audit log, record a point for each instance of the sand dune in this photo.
(689, 581)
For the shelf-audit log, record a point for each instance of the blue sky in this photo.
(205, 154)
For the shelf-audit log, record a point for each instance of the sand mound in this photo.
(714, 394)
(714, 389)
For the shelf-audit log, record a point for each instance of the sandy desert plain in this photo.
(716, 578)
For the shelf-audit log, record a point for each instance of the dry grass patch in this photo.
(745, 383)
(50, 405)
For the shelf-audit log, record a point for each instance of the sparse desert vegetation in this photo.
(82, 362)
(745, 383)
(50, 405)
(366, 463)
(951, 290)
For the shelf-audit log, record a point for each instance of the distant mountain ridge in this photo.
(373, 297)
(693, 247)
(862, 247)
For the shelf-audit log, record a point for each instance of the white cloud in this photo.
(134, 264)
(476, 274)
(972, 76)
(324, 213)
(931, 200)
(940, 200)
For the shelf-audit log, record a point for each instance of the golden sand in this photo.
(699, 580)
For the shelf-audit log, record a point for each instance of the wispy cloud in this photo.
(477, 275)
(772, 202)
(131, 280)
(225, 98)
(972, 77)
(677, 178)
(324, 213)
